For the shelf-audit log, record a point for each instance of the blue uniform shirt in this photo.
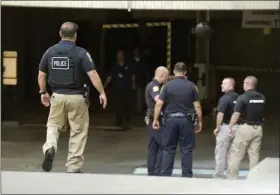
(179, 95)
(84, 60)
(121, 76)
(152, 90)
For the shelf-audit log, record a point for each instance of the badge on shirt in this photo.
(155, 89)
(120, 75)
(89, 57)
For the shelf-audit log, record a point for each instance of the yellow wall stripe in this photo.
(120, 26)
(168, 47)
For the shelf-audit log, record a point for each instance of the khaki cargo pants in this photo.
(223, 143)
(73, 108)
(247, 138)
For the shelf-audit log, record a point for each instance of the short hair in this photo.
(253, 80)
(180, 67)
(68, 29)
(231, 80)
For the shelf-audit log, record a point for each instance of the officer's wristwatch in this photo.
(42, 92)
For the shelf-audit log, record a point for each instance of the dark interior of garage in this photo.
(30, 31)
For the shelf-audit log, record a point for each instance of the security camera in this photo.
(203, 30)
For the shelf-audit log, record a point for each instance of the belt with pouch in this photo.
(191, 116)
(252, 123)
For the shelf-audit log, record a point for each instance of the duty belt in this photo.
(192, 117)
(253, 124)
(177, 114)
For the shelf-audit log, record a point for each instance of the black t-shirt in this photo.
(226, 105)
(251, 107)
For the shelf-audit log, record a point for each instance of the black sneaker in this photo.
(48, 162)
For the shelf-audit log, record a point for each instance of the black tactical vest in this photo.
(232, 100)
(63, 68)
(255, 108)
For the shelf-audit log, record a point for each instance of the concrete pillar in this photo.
(102, 54)
(202, 52)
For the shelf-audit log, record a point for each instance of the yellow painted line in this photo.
(150, 24)
(155, 24)
(168, 46)
(134, 25)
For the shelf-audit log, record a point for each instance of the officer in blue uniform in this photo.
(66, 67)
(123, 80)
(154, 159)
(249, 109)
(182, 107)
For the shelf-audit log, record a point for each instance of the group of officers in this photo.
(238, 129)
(174, 114)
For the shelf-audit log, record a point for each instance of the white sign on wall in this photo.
(260, 19)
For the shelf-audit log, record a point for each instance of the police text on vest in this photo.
(256, 101)
(61, 63)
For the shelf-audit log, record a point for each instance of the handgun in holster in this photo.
(148, 116)
(192, 117)
(86, 94)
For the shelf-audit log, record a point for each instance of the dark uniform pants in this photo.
(182, 131)
(123, 99)
(154, 158)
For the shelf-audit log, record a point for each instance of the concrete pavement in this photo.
(65, 183)
(107, 152)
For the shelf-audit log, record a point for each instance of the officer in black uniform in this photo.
(154, 148)
(249, 109)
(123, 79)
(66, 67)
(224, 112)
(182, 107)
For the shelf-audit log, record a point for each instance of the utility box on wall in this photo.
(9, 68)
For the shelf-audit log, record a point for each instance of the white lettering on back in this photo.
(256, 101)
(61, 63)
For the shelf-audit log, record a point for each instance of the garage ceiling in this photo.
(150, 5)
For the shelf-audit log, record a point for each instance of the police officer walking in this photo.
(182, 105)
(67, 66)
(223, 140)
(154, 159)
(249, 109)
(123, 78)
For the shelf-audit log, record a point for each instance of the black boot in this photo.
(48, 162)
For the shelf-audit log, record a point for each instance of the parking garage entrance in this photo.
(26, 34)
